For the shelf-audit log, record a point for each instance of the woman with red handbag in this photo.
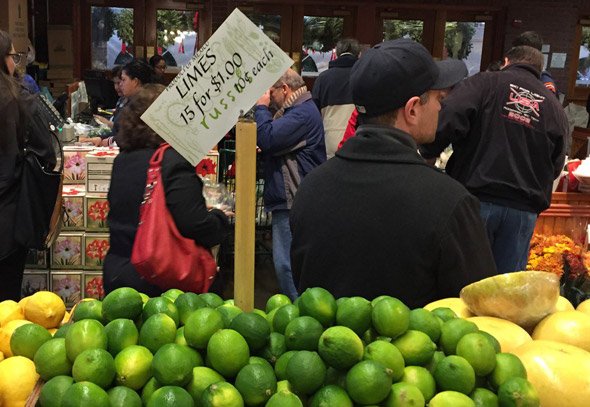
(185, 208)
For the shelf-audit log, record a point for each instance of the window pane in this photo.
(394, 29)
(320, 35)
(583, 76)
(464, 40)
(111, 36)
(176, 37)
(269, 24)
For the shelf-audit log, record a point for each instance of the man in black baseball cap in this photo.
(376, 219)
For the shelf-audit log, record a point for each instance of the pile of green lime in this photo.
(186, 349)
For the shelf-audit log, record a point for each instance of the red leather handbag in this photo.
(161, 255)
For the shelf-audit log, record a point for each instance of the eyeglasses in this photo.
(16, 57)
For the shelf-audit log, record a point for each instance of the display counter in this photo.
(569, 214)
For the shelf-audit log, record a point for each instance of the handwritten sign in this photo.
(226, 76)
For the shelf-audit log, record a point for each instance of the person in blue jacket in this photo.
(292, 144)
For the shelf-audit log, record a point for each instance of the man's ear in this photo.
(410, 110)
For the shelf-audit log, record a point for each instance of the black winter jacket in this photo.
(508, 134)
(184, 198)
(376, 219)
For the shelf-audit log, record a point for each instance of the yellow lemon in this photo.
(17, 380)
(571, 327)
(507, 333)
(584, 307)
(9, 311)
(6, 333)
(66, 318)
(454, 303)
(46, 309)
(559, 372)
(1, 356)
(563, 304)
(23, 302)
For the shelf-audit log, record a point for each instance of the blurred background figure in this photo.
(158, 63)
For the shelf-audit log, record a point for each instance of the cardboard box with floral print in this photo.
(36, 259)
(96, 210)
(207, 167)
(67, 284)
(100, 166)
(96, 246)
(75, 164)
(73, 201)
(66, 251)
(33, 281)
(93, 286)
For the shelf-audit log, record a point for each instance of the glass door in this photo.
(417, 25)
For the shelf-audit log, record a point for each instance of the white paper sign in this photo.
(558, 59)
(226, 76)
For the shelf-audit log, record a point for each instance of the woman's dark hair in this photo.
(137, 69)
(155, 59)
(116, 72)
(134, 133)
(7, 82)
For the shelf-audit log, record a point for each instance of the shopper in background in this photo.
(158, 64)
(376, 219)
(507, 132)
(534, 39)
(184, 195)
(331, 93)
(292, 144)
(116, 78)
(12, 131)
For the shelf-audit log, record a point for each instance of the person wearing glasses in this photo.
(158, 63)
(12, 128)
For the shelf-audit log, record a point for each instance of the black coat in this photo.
(9, 173)
(184, 198)
(376, 219)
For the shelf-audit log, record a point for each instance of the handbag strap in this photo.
(156, 160)
(153, 173)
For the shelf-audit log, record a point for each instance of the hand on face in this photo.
(264, 99)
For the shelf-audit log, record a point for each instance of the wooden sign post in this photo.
(245, 214)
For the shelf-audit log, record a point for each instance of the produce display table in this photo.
(569, 214)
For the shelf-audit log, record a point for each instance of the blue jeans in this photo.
(509, 232)
(281, 252)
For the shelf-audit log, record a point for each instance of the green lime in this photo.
(303, 333)
(122, 302)
(331, 396)
(425, 321)
(63, 330)
(148, 389)
(518, 392)
(172, 294)
(84, 394)
(160, 304)
(444, 313)
(211, 299)
(422, 379)
(452, 331)
(120, 334)
(390, 317)
(335, 377)
(228, 352)
(53, 391)
(156, 331)
(493, 341)
(51, 359)
(484, 398)
(83, 335)
(437, 357)
(454, 373)
(91, 309)
(253, 327)
(479, 352)
(354, 313)
(416, 347)
(202, 378)
(340, 347)
(274, 348)
(451, 398)
(121, 396)
(200, 325)
(187, 303)
(284, 398)
(368, 382)
(508, 366)
(228, 313)
(276, 301)
(281, 364)
(318, 303)
(170, 396)
(283, 316)
(27, 339)
(133, 366)
(173, 365)
(256, 383)
(388, 355)
(221, 394)
(96, 366)
(404, 395)
(306, 372)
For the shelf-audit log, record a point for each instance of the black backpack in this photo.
(39, 202)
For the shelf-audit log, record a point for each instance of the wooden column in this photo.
(245, 214)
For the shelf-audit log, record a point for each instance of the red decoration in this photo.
(196, 21)
(206, 167)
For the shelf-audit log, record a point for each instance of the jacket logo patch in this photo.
(523, 105)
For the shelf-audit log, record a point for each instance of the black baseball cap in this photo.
(392, 72)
